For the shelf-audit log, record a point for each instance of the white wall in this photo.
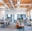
(2, 14)
(31, 13)
(17, 11)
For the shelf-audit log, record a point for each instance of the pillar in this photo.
(12, 18)
(28, 16)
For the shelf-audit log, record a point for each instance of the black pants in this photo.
(20, 29)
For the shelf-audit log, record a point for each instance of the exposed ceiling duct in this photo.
(10, 1)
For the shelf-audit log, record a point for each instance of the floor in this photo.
(26, 28)
(13, 28)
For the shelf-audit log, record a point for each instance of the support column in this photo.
(12, 18)
(28, 15)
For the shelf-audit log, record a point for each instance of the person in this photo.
(17, 24)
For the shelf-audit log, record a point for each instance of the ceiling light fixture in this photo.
(18, 3)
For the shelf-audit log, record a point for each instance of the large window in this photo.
(22, 16)
(14, 17)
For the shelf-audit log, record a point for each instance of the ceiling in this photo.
(17, 3)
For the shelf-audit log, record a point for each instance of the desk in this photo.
(4, 23)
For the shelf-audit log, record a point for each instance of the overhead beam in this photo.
(8, 4)
(25, 1)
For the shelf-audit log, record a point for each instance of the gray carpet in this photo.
(12, 27)
(26, 28)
